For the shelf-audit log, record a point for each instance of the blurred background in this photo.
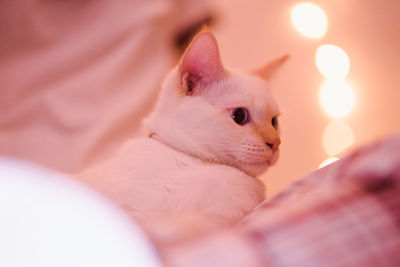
(353, 108)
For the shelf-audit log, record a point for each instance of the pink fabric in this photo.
(77, 77)
(346, 214)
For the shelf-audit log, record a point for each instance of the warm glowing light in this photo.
(337, 137)
(337, 98)
(332, 61)
(327, 162)
(309, 19)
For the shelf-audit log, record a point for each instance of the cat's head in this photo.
(218, 115)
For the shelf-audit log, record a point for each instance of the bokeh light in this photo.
(309, 19)
(328, 161)
(336, 98)
(337, 137)
(332, 61)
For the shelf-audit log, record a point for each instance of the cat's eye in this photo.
(240, 115)
(274, 122)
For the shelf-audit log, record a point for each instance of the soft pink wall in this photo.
(252, 32)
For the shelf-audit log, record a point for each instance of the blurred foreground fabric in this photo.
(346, 214)
(48, 220)
(77, 77)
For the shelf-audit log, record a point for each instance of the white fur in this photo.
(149, 179)
(194, 159)
(202, 125)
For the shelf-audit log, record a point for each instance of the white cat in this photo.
(212, 132)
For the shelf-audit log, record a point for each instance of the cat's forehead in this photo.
(250, 91)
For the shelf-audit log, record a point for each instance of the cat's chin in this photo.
(257, 168)
(274, 158)
(253, 168)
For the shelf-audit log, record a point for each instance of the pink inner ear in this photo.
(201, 60)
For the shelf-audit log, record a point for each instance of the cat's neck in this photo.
(199, 157)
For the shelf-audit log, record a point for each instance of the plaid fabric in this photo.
(346, 214)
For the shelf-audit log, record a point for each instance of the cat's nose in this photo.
(273, 143)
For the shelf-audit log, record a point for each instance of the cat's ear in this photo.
(271, 67)
(201, 63)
